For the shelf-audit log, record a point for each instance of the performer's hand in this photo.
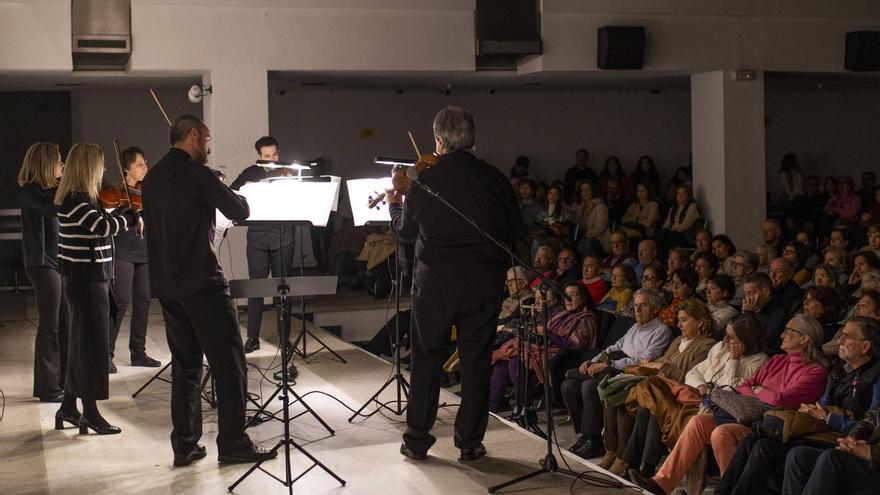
(393, 196)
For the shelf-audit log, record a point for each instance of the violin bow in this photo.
(161, 108)
(415, 146)
(122, 172)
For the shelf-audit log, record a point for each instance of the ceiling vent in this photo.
(101, 34)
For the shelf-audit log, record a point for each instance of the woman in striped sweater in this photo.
(86, 259)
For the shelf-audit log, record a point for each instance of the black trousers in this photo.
(580, 393)
(262, 262)
(645, 444)
(757, 467)
(131, 286)
(50, 347)
(811, 471)
(430, 333)
(205, 322)
(89, 305)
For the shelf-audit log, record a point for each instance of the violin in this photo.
(121, 196)
(400, 182)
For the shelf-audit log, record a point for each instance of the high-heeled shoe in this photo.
(85, 425)
(61, 417)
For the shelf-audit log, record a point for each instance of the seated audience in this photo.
(724, 249)
(845, 204)
(785, 291)
(841, 238)
(518, 293)
(853, 388)
(641, 216)
(688, 349)
(592, 278)
(590, 214)
(661, 415)
(771, 232)
(706, 265)
(823, 304)
(647, 254)
(614, 170)
(573, 329)
(868, 306)
(647, 339)
(646, 173)
(825, 275)
(788, 380)
(681, 217)
(684, 282)
(765, 253)
(620, 252)
(568, 268)
(863, 262)
(527, 203)
(580, 172)
(745, 263)
(760, 301)
(616, 200)
(796, 254)
(702, 242)
(619, 298)
(553, 226)
(837, 257)
(873, 244)
(718, 291)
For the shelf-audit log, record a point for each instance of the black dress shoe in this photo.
(246, 456)
(580, 443)
(412, 455)
(591, 449)
(55, 397)
(61, 417)
(198, 452)
(472, 453)
(111, 368)
(101, 429)
(646, 483)
(145, 361)
(251, 345)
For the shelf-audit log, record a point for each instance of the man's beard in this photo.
(202, 158)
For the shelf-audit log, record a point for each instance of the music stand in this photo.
(270, 204)
(362, 188)
(283, 288)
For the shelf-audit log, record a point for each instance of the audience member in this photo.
(592, 278)
(568, 268)
(718, 291)
(642, 214)
(785, 291)
(580, 172)
(647, 254)
(620, 252)
(591, 216)
(771, 231)
(745, 263)
(724, 249)
(681, 217)
(759, 300)
(618, 300)
(646, 173)
(684, 282)
(706, 265)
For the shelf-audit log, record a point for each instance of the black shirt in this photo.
(131, 246)
(454, 262)
(180, 199)
(263, 236)
(39, 226)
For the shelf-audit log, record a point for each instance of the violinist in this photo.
(131, 284)
(269, 248)
(458, 279)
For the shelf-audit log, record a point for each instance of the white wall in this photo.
(833, 132)
(548, 126)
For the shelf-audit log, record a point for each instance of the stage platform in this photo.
(37, 459)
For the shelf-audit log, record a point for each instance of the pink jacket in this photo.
(844, 207)
(787, 382)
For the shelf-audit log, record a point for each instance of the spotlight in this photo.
(197, 92)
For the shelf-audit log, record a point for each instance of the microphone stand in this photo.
(548, 463)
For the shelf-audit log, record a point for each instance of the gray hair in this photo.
(750, 258)
(655, 299)
(871, 276)
(870, 329)
(519, 272)
(809, 326)
(456, 128)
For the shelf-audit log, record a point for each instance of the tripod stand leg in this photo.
(156, 376)
(493, 489)
(375, 398)
(262, 409)
(316, 462)
(299, 399)
(305, 355)
(257, 466)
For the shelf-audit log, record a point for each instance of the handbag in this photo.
(733, 407)
(785, 425)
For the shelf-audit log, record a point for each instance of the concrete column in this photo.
(727, 130)
(238, 114)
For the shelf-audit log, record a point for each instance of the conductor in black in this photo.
(458, 280)
(183, 196)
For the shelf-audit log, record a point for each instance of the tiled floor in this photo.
(37, 459)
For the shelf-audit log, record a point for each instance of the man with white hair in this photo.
(648, 338)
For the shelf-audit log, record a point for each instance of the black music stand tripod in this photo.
(282, 288)
(396, 377)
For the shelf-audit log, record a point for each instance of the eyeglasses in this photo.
(792, 330)
(844, 336)
(650, 278)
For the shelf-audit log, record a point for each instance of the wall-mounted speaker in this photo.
(863, 51)
(621, 47)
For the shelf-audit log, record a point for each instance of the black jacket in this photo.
(39, 226)
(180, 199)
(454, 262)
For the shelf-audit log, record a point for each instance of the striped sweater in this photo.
(85, 244)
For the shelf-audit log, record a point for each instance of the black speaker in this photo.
(621, 47)
(863, 51)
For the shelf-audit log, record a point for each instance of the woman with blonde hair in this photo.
(38, 178)
(86, 258)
